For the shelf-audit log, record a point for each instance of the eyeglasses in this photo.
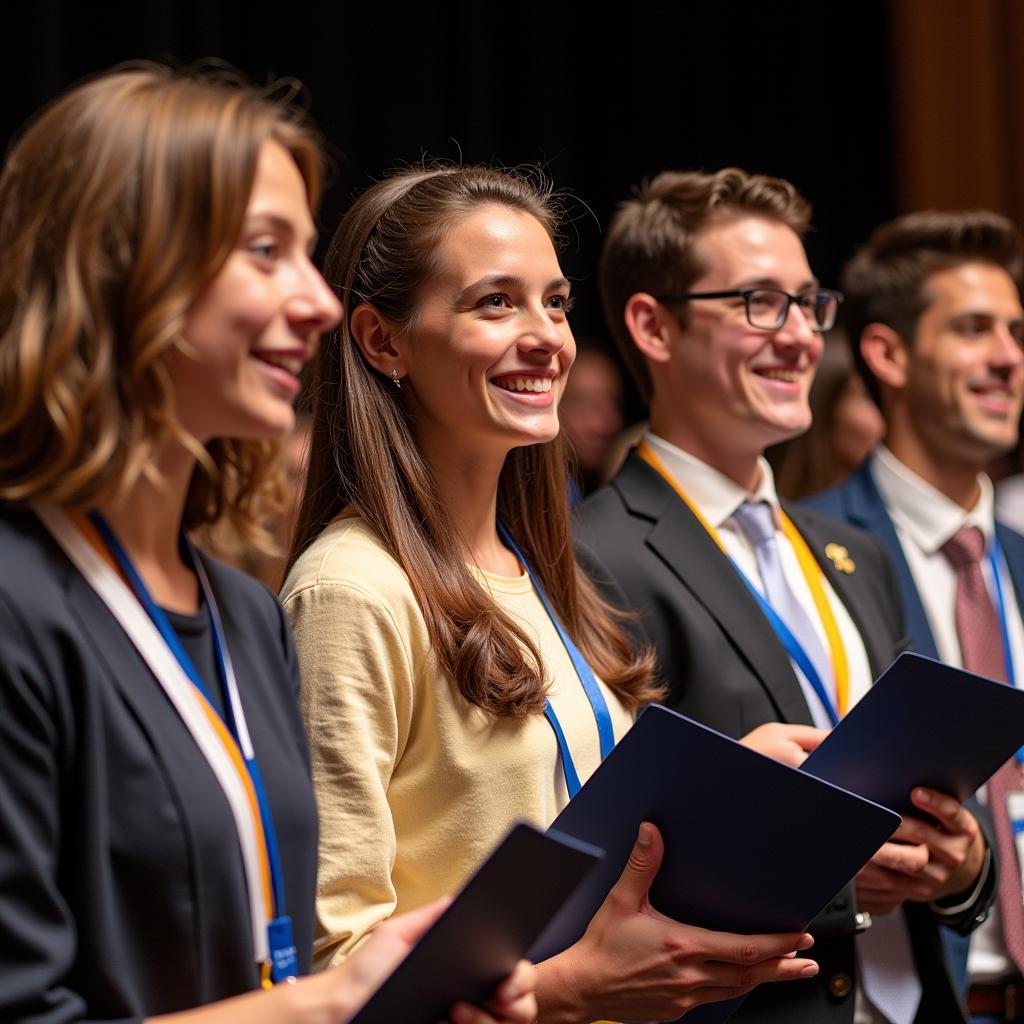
(768, 308)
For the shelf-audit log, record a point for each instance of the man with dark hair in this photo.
(761, 613)
(936, 325)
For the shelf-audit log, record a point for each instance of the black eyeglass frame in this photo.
(745, 293)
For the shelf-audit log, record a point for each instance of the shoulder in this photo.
(1012, 542)
(348, 554)
(831, 501)
(346, 577)
(35, 577)
(634, 499)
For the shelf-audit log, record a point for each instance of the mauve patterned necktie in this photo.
(981, 651)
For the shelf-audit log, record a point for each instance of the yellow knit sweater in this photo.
(414, 785)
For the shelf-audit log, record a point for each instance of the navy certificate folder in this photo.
(922, 724)
(489, 926)
(751, 845)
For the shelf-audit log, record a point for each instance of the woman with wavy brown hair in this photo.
(157, 823)
(460, 671)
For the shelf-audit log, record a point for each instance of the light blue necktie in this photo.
(756, 520)
(889, 977)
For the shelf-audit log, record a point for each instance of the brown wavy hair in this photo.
(118, 206)
(652, 241)
(364, 454)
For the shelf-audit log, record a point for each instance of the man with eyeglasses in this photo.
(761, 613)
(935, 319)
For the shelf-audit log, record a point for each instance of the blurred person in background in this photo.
(591, 413)
(933, 309)
(846, 427)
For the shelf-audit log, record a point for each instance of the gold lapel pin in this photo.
(840, 558)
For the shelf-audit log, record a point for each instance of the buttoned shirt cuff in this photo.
(961, 907)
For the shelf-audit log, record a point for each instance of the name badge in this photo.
(1015, 812)
(284, 957)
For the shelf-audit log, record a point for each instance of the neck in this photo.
(148, 525)
(468, 487)
(740, 466)
(950, 474)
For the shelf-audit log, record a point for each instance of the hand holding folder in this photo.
(752, 846)
(489, 926)
(923, 725)
(634, 963)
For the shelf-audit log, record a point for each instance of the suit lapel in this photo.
(686, 549)
(1012, 544)
(865, 508)
(851, 589)
(128, 672)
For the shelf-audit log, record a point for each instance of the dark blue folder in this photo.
(751, 845)
(922, 724)
(489, 926)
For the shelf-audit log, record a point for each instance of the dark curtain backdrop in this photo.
(800, 90)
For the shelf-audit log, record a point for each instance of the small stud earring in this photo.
(395, 380)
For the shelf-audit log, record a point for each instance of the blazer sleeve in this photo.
(963, 912)
(357, 701)
(37, 930)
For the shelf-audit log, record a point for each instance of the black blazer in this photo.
(725, 667)
(123, 888)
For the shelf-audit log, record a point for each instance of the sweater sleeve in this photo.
(357, 702)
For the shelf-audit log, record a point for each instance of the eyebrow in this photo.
(773, 282)
(988, 314)
(512, 281)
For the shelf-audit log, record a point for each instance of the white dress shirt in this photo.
(925, 519)
(717, 497)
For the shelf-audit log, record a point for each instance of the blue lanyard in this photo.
(994, 557)
(598, 705)
(284, 957)
(793, 647)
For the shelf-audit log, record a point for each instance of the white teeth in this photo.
(790, 376)
(292, 364)
(538, 384)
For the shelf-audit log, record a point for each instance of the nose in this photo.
(543, 334)
(313, 308)
(1007, 352)
(796, 329)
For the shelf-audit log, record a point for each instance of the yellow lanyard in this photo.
(808, 567)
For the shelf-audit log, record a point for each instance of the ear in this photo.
(886, 354)
(649, 324)
(376, 337)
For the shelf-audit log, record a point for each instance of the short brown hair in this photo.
(118, 205)
(886, 280)
(364, 454)
(652, 241)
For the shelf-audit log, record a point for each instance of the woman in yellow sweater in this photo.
(459, 670)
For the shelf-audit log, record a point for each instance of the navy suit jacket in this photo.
(858, 501)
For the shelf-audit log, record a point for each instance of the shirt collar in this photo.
(922, 511)
(715, 495)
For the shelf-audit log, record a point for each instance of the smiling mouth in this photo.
(787, 376)
(291, 363)
(539, 385)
